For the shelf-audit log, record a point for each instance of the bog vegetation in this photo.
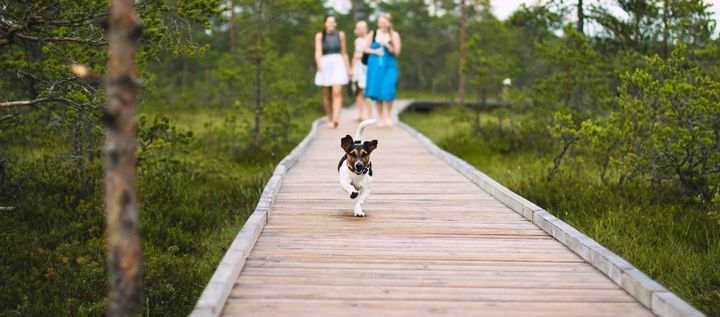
(614, 125)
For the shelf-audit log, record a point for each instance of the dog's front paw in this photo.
(353, 195)
(359, 213)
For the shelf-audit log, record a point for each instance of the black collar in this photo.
(367, 169)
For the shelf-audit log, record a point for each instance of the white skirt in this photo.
(333, 71)
(360, 74)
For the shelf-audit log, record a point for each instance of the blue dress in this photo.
(382, 75)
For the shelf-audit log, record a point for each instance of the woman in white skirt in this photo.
(359, 74)
(333, 68)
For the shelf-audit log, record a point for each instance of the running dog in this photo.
(356, 176)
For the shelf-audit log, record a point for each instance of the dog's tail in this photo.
(362, 126)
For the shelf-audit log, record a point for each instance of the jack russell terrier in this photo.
(356, 175)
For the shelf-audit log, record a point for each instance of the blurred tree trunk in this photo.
(666, 29)
(580, 17)
(78, 137)
(354, 4)
(478, 108)
(258, 69)
(123, 227)
(461, 58)
(231, 25)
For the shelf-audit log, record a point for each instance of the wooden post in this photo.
(461, 57)
(123, 227)
(507, 83)
(505, 102)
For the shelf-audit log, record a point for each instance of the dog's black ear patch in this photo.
(346, 143)
(370, 145)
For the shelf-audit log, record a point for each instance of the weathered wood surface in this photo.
(434, 243)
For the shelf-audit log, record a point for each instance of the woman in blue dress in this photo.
(382, 71)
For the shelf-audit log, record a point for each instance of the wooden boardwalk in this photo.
(434, 243)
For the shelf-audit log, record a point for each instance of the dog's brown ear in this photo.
(370, 145)
(346, 143)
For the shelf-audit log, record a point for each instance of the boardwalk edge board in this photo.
(651, 294)
(213, 298)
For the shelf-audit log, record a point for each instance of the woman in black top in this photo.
(333, 68)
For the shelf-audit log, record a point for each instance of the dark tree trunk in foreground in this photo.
(461, 58)
(123, 227)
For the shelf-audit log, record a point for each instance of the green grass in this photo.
(665, 235)
(470, 96)
(195, 195)
(422, 95)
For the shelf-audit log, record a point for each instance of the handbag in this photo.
(353, 89)
(365, 55)
(365, 58)
(350, 89)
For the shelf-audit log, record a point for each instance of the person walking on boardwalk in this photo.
(384, 46)
(359, 73)
(333, 68)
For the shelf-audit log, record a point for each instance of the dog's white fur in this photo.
(352, 182)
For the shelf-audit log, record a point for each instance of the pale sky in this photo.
(503, 8)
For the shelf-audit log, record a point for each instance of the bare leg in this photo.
(360, 100)
(381, 114)
(336, 103)
(366, 105)
(327, 105)
(388, 115)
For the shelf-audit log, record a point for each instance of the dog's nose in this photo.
(358, 166)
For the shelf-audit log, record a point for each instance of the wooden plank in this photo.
(399, 230)
(377, 244)
(587, 279)
(364, 308)
(536, 283)
(416, 255)
(249, 292)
